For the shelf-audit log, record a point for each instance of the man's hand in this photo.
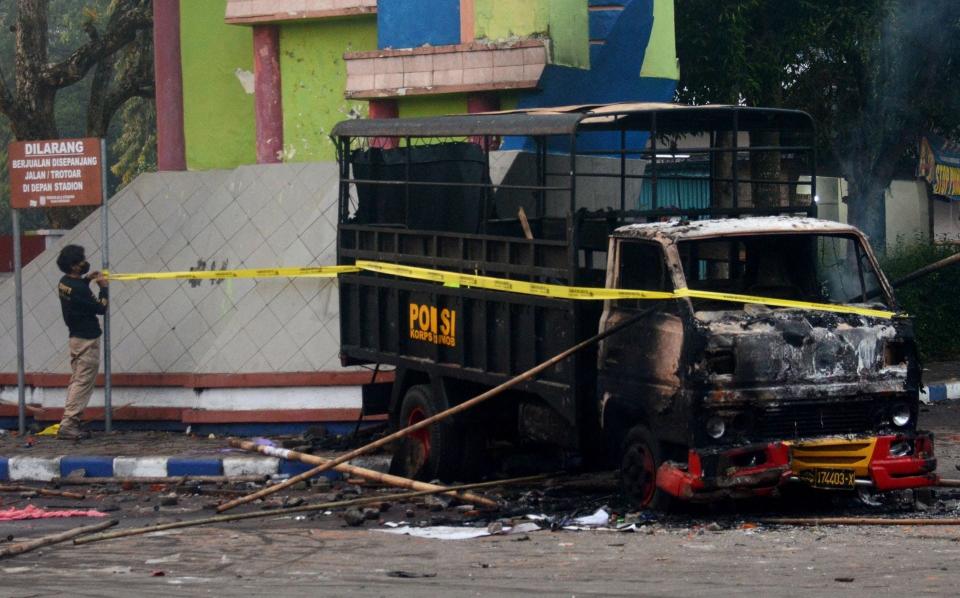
(101, 280)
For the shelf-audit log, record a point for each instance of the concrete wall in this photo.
(946, 221)
(218, 119)
(906, 202)
(908, 213)
(255, 216)
(313, 77)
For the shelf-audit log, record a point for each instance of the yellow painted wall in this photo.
(565, 22)
(660, 59)
(313, 77)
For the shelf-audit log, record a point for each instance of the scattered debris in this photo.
(34, 512)
(43, 491)
(28, 545)
(170, 558)
(337, 464)
(354, 517)
(177, 480)
(600, 517)
(409, 574)
(440, 532)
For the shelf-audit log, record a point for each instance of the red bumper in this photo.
(758, 470)
(896, 473)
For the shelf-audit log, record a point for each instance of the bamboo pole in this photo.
(304, 509)
(856, 521)
(206, 479)
(434, 418)
(948, 483)
(928, 269)
(43, 491)
(360, 472)
(28, 545)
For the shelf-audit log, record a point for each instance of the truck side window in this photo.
(642, 267)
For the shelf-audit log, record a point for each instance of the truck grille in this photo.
(816, 418)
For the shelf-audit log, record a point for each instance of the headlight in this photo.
(901, 449)
(900, 415)
(716, 427)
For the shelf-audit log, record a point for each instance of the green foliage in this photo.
(875, 75)
(134, 149)
(131, 142)
(932, 300)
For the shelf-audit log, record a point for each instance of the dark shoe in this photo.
(72, 434)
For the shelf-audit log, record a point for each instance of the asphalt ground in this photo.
(704, 551)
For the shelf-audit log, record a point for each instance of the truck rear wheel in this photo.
(432, 452)
(638, 471)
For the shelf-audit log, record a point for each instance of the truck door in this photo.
(639, 368)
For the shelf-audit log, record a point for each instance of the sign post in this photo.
(56, 173)
(105, 261)
(18, 283)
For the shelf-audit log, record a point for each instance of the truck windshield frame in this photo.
(817, 267)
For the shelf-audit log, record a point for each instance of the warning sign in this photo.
(55, 174)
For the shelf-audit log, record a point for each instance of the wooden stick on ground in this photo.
(360, 472)
(43, 491)
(948, 483)
(206, 479)
(28, 545)
(856, 521)
(304, 509)
(434, 418)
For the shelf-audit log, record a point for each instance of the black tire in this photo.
(433, 453)
(641, 457)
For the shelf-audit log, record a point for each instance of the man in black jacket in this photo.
(80, 311)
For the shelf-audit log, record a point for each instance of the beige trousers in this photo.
(84, 363)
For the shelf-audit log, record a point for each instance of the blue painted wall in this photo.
(614, 76)
(413, 23)
(603, 17)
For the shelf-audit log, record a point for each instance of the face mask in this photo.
(84, 267)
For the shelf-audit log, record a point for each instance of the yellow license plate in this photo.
(830, 478)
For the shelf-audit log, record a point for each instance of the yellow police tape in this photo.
(454, 279)
(299, 272)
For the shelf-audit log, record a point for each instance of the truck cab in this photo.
(712, 396)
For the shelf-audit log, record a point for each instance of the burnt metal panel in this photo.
(460, 125)
(498, 335)
(563, 121)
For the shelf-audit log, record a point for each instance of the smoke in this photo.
(890, 78)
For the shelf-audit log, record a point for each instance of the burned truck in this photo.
(764, 345)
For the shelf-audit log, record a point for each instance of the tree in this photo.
(875, 74)
(116, 54)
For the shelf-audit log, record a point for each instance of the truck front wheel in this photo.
(432, 452)
(638, 471)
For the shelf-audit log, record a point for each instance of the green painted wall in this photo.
(566, 22)
(313, 77)
(218, 118)
(660, 59)
(570, 32)
(432, 105)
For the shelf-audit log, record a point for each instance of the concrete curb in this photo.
(44, 469)
(940, 391)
